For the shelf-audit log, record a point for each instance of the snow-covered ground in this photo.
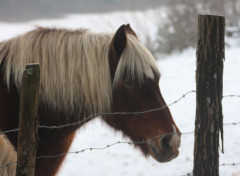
(178, 77)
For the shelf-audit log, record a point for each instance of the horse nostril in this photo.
(165, 141)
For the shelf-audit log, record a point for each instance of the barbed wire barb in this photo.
(9, 164)
(188, 174)
(231, 96)
(230, 164)
(232, 123)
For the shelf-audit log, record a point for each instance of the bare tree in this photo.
(179, 31)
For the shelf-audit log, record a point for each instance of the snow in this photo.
(178, 77)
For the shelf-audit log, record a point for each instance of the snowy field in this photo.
(178, 77)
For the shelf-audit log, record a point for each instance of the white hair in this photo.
(74, 66)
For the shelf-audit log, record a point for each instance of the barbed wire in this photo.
(103, 114)
(15, 130)
(231, 96)
(105, 147)
(9, 131)
(118, 113)
(119, 142)
(188, 174)
(9, 164)
(126, 113)
(110, 145)
(224, 164)
(232, 123)
(92, 148)
(230, 164)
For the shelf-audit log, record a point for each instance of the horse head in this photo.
(135, 83)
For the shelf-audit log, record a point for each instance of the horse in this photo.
(84, 73)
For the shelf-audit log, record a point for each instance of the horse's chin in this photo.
(162, 156)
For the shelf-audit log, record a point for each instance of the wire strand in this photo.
(119, 142)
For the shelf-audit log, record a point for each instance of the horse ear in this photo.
(117, 46)
(129, 30)
(119, 41)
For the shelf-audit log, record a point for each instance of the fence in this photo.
(195, 171)
(125, 142)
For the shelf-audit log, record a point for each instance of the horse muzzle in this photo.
(166, 148)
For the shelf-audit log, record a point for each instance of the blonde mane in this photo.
(136, 62)
(74, 66)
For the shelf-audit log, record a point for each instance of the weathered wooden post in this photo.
(27, 136)
(209, 76)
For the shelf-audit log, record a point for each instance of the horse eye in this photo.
(129, 84)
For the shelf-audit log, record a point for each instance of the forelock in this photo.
(136, 63)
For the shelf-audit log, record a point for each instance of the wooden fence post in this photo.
(27, 136)
(209, 75)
